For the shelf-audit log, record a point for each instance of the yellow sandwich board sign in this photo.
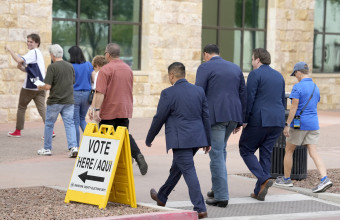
(103, 169)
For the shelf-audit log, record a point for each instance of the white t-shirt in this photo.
(95, 80)
(30, 57)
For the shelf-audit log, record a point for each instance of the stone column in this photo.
(171, 31)
(290, 32)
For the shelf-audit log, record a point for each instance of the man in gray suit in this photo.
(224, 86)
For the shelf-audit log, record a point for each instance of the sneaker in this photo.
(323, 186)
(143, 166)
(45, 152)
(53, 135)
(16, 133)
(73, 152)
(280, 181)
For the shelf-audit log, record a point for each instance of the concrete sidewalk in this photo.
(20, 166)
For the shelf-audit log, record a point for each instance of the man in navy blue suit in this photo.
(265, 119)
(224, 86)
(184, 110)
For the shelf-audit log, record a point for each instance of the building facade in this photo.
(154, 33)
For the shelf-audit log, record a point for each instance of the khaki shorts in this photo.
(301, 137)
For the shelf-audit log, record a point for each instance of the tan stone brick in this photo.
(4, 61)
(17, 8)
(140, 79)
(4, 9)
(38, 10)
(8, 74)
(20, 35)
(196, 55)
(301, 15)
(155, 89)
(289, 14)
(281, 3)
(193, 19)
(3, 35)
(8, 21)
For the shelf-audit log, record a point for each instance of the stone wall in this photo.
(19, 18)
(171, 32)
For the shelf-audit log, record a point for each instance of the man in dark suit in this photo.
(224, 86)
(184, 110)
(265, 119)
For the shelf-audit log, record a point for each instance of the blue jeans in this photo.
(52, 112)
(220, 133)
(81, 106)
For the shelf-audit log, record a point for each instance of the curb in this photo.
(178, 215)
(331, 197)
(169, 214)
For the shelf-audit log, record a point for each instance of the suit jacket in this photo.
(184, 110)
(266, 98)
(224, 86)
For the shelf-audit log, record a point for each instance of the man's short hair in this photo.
(304, 71)
(35, 38)
(263, 55)
(113, 49)
(211, 49)
(99, 61)
(178, 69)
(56, 50)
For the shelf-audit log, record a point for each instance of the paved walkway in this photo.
(20, 166)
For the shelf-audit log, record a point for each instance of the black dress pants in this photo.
(124, 122)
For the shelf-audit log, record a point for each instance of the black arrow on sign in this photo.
(85, 177)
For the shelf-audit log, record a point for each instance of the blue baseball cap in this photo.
(299, 66)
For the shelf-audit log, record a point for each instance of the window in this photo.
(236, 26)
(326, 57)
(93, 24)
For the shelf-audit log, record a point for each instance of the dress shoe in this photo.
(264, 189)
(210, 194)
(153, 195)
(222, 203)
(202, 215)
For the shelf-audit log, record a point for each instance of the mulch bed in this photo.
(48, 203)
(313, 179)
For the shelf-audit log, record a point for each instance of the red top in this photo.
(115, 81)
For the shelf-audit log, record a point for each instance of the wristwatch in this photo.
(97, 109)
(286, 124)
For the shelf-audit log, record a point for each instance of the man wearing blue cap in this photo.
(302, 126)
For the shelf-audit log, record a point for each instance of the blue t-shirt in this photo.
(83, 76)
(302, 91)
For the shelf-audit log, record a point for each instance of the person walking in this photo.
(114, 99)
(97, 62)
(29, 90)
(264, 121)
(183, 109)
(224, 86)
(302, 127)
(82, 88)
(60, 78)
